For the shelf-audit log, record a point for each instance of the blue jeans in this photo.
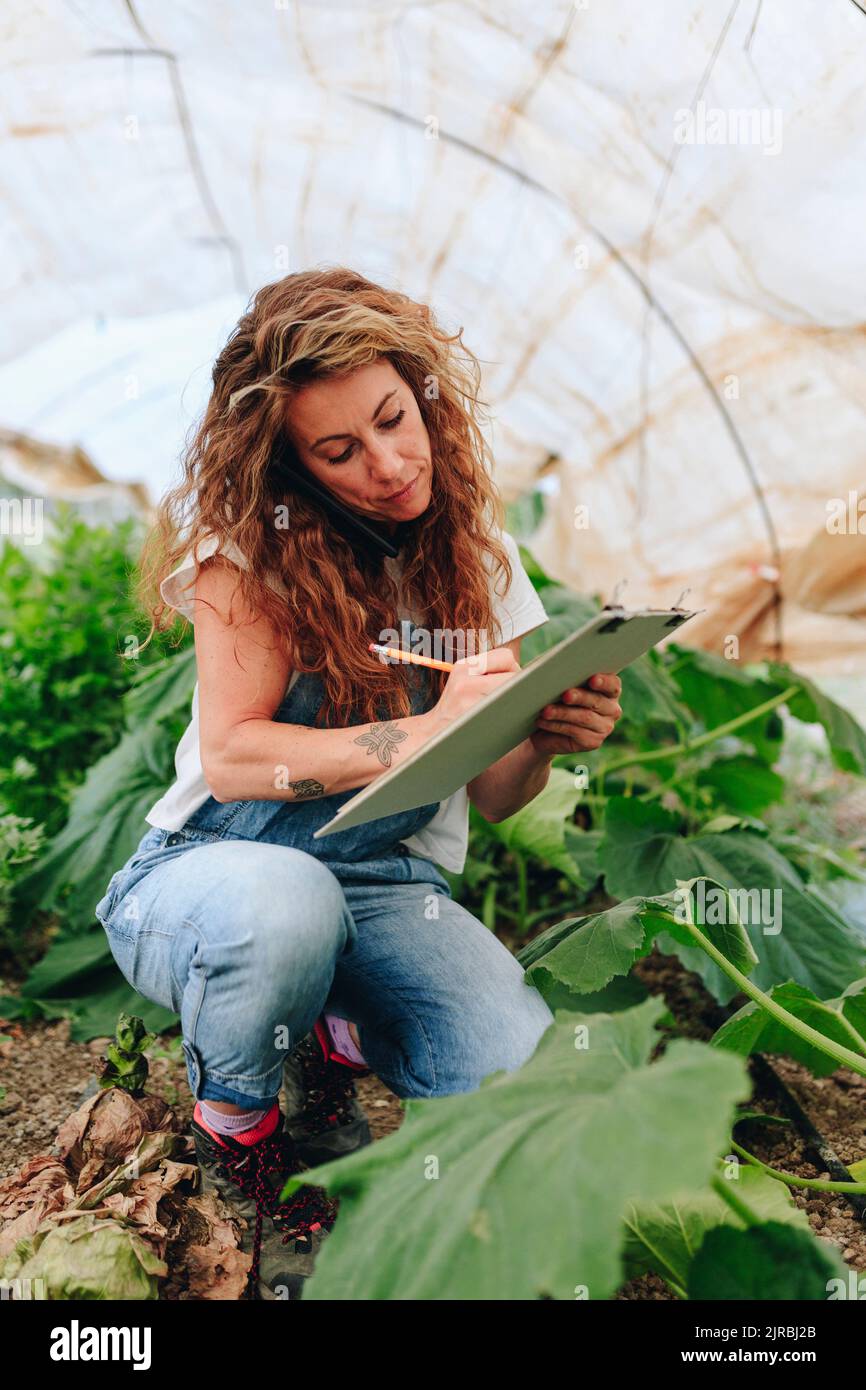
(249, 942)
(248, 928)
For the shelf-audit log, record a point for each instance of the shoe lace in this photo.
(329, 1087)
(307, 1210)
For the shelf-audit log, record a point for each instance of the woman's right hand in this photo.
(473, 677)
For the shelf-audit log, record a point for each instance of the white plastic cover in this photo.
(649, 219)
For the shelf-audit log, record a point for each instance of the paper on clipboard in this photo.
(609, 641)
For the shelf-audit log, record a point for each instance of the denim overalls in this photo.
(294, 822)
(246, 926)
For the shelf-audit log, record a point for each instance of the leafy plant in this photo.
(125, 1064)
(66, 617)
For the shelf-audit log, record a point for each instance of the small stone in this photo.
(9, 1102)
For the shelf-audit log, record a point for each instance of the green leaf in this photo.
(648, 836)
(624, 992)
(584, 954)
(539, 827)
(583, 847)
(742, 784)
(846, 737)
(717, 690)
(751, 1029)
(649, 694)
(644, 856)
(767, 1262)
(518, 1190)
(107, 812)
(663, 1238)
(566, 612)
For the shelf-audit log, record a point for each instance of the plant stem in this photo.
(522, 894)
(843, 1055)
(742, 1209)
(816, 1184)
(690, 745)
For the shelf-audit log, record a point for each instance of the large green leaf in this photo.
(752, 1029)
(768, 1262)
(643, 855)
(161, 689)
(846, 737)
(742, 784)
(583, 954)
(718, 690)
(649, 695)
(539, 827)
(107, 812)
(663, 1238)
(518, 1190)
(106, 822)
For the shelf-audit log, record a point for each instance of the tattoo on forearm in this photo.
(306, 788)
(382, 739)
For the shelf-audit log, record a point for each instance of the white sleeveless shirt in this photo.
(443, 839)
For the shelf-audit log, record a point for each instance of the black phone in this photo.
(359, 532)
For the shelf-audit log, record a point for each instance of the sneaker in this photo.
(323, 1115)
(283, 1237)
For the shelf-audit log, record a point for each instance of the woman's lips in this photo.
(405, 494)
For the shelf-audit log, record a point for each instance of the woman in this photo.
(290, 958)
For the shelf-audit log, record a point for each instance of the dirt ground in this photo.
(45, 1075)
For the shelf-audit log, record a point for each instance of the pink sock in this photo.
(247, 1128)
(343, 1040)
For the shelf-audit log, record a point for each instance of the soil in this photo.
(45, 1076)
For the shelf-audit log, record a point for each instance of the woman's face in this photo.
(363, 436)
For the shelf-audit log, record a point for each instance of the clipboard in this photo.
(609, 641)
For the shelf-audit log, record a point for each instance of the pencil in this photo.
(410, 656)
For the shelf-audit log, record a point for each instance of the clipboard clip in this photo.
(615, 597)
(678, 611)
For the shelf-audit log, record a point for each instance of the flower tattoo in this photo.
(382, 739)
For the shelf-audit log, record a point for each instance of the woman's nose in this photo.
(383, 461)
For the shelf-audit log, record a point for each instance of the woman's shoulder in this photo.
(178, 587)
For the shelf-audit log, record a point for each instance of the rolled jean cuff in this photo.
(206, 1087)
(212, 1090)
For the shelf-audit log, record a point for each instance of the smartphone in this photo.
(359, 532)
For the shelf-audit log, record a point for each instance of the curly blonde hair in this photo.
(305, 327)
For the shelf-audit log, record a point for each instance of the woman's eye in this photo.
(386, 425)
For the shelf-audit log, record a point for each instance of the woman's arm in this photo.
(248, 756)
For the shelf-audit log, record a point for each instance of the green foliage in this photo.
(644, 852)
(752, 1029)
(126, 1065)
(767, 1262)
(66, 617)
(106, 821)
(519, 1190)
(664, 1238)
(20, 842)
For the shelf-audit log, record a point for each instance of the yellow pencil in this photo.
(410, 656)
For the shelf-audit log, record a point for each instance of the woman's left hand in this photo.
(582, 721)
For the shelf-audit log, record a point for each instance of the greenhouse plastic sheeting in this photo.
(648, 219)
